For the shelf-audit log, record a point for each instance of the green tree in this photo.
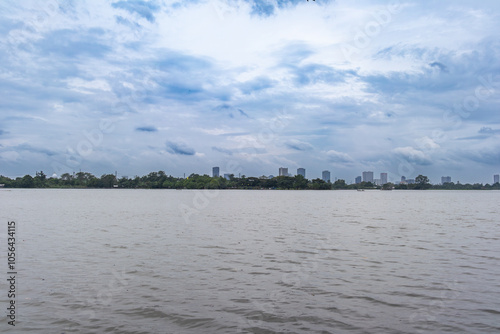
(253, 182)
(319, 184)
(40, 179)
(422, 182)
(83, 179)
(67, 179)
(222, 182)
(300, 182)
(270, 183)
(388, 186)
(284, 182)
(214, 183)
(27, 182)
(339, 184)
(108, 180)
(53, 182)
(362, 185)
(7, 182)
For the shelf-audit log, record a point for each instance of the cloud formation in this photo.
(298, 145)
(179, 148)
(142, 8)
(146, 129)
(340, 157)
(260, 83)
(412, 155)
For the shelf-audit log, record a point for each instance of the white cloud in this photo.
(426, 143)
(340, 157)
(212, 74)
(412, 155)
(299, 145)
(88, 87)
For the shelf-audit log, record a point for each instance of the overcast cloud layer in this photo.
(407, 87)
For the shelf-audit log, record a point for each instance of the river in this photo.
(245, 261)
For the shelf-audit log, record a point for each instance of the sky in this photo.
(403, 87)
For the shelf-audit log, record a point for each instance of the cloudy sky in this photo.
(404, 87)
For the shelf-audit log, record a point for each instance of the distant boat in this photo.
(360, 189)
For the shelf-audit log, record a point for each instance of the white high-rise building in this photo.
(215, 172)
(301, 171)
(283, 171)
(368, 177)
(496, 178)
(383, 178)
(325, 175)
(445, 179)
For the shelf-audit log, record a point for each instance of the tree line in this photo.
(160, 180)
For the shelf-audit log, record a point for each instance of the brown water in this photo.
(162, 261)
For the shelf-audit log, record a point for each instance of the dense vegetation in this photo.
(157, 180)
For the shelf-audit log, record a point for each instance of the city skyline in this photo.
(248, 85)
(283, 171)
(367, 176)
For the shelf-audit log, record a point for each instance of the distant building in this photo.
(496, 178)
(2, 185)
(383, 178)
(445, 179)
(325, 175)
(377, 182)
(215, 172)
(403, 179)
(227, 176)
(357, 180)
(410, 181)
(301, 171)
(283, 171)
(270, 176)
(368, 177)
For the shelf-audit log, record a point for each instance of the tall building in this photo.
(215, 172)
(227, 176)
(403, 179)
(301, 171)
(325, 175)
(357, 180)
(445, 179)
(368, 177)
(496, 178)
(283, 171)
(383, 178)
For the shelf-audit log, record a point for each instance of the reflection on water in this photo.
(133, 261)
